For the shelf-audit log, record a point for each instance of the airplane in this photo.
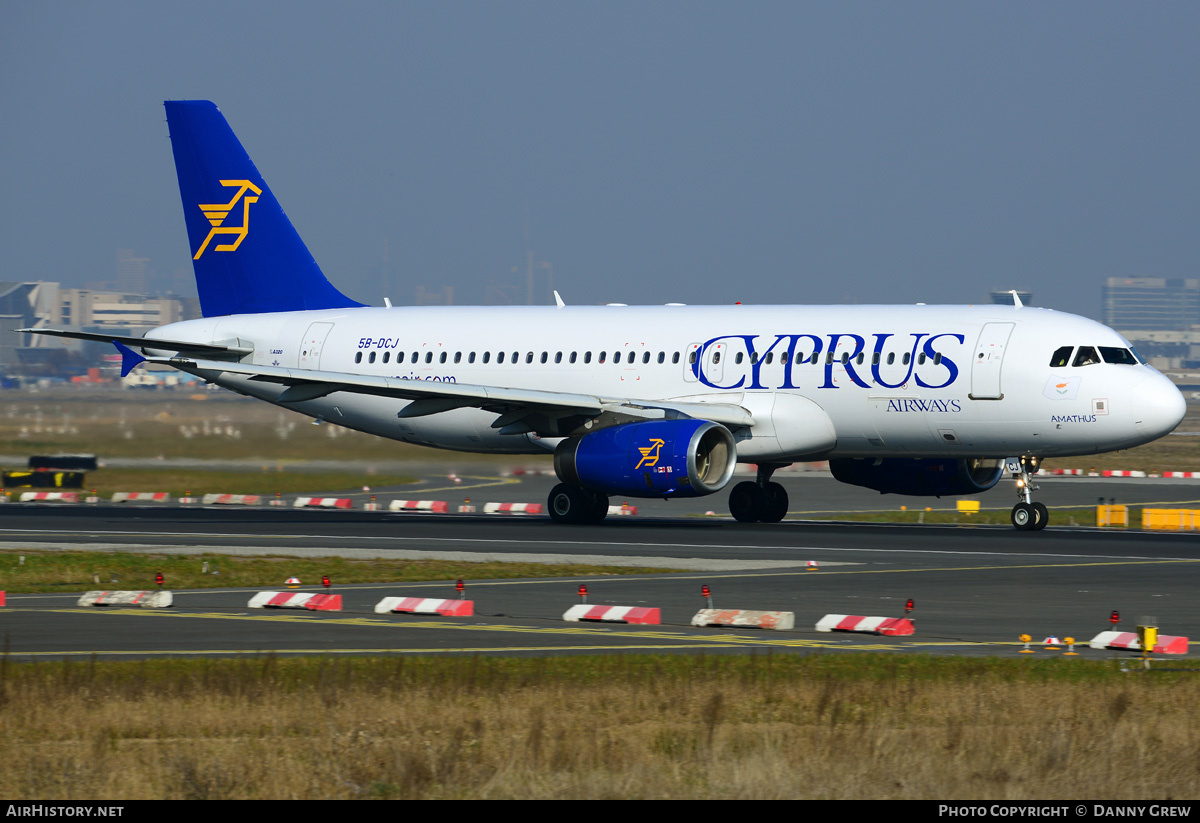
(645, 401)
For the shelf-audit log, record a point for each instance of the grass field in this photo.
(635, 726)
(68, 571)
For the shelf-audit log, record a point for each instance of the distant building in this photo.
(131, 272)
(1150, 303)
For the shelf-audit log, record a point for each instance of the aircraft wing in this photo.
(518, 410)
(232, 349)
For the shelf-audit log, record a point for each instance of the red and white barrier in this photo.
(613, 614)
(323, 503)
(1189, 475)
(141, 497)
(1112, 473)
(50, 497)
(887, 626)
(1165, 644)
(147, 600)
(1, 598)
(435, 506)
(1067, 472)
(622, 510)
(231, 499)
(513, 508)
(297, 600)
(425, 605)
(780, 621)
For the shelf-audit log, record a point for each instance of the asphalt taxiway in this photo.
(976, 588)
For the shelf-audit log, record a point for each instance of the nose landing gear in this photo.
(1028, 515)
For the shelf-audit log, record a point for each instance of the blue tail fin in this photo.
(247, 256)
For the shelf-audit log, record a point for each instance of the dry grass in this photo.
(823, 726)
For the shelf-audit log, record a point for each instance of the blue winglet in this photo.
(129, 358)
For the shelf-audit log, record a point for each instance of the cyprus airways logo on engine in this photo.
(650, 453)
(217, 212)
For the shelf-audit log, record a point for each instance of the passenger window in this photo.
(921, 359)
(859, 359)
(845, 357)
(737, 358)
(543, 357)
(458, 357)
(1086, 357)
(358, 357)
(529, 357)
(937, 359)
(907, 357)
(646, 357)
(813, 360)
(675, 358)
(717, 358)
(875, 359)
(617, 357)
(753, 358)
(828, 358)
(603, 356)
(692, 358)
(399, 357)
(371, 358)
(1061, 357)
(770, 357)
(415, 355)
(471, 357)
(662, 357)
(516, 358)
(487, 356)
(558, 357)
(1123, 357)
(499, 357)
(441, 358)
(387, 355)
(891, 357)
(428, 357)
(572, 357)
(587, 357)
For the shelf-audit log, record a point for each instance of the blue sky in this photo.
(697, 152)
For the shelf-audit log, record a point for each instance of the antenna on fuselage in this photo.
(558, 300)
(1016, 299)
(387, 302)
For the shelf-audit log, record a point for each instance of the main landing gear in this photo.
(1028, 515)
(575, 504)
(759, 501)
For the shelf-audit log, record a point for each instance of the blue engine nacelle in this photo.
(931, 477)
(660, 458)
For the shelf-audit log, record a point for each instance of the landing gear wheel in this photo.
(1024, 516)
(1043, 516)
(568, 504)
(597, 509)
(775, 504)
(747, 502)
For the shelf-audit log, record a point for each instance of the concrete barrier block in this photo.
(780, 621)
(613, 614)
(1166, 643)
(146, 599)
(312, 601)
(887, 626)
(425, 605)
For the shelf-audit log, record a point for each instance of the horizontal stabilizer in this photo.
(215, 351)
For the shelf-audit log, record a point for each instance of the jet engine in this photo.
(931, 477)
(660, 458)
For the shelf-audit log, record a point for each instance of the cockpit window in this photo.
(1140, 359)
(1112, 354)
(1086, 357)
(1061, 357)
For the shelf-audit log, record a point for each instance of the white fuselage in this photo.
(903, 381)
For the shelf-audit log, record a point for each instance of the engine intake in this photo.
(660, 458)
(931, 477)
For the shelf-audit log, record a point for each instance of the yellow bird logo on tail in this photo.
(217, 212)
(650, 453)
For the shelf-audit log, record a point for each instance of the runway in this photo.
(976, 589)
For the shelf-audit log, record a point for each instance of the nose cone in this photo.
(1158, 407)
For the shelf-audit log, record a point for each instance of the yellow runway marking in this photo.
(704, 641)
